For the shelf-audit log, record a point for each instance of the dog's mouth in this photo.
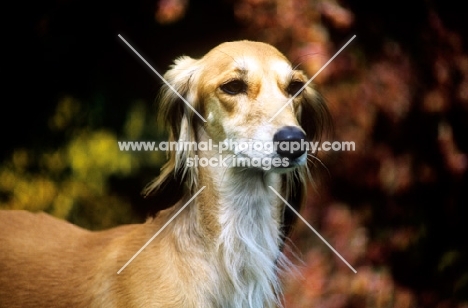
(289, 164)
(273, 162)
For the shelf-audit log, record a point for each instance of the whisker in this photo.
(319, 161)
(296, 60)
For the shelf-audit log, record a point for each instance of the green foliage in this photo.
(71, 181)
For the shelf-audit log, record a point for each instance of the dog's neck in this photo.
(240, 217)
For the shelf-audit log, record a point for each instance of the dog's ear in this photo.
(315, 120)
(313, 114)
(295, 187)
(172, 109)
(176, 178)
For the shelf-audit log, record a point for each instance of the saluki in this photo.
(225, 248)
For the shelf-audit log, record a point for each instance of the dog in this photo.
(225, 248)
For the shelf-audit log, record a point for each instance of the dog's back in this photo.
(43, 258)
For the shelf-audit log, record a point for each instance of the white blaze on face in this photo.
(250, 64)
(264, 133)
(282, 70)
(275, 81)
(263, 140)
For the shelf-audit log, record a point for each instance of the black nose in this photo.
(289, 142)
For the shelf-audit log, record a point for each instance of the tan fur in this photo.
(223, 250)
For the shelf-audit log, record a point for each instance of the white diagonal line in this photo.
(162, 78)
(310, 80)
(318, 234)
(160, 230)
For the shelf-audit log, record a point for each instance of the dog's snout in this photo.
(289, 142)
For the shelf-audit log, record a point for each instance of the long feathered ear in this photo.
(295, 188)
(314, 118)
(313, 114)
(176, 178)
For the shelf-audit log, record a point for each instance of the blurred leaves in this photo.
(72, 180)
(170, 11)
(395, 203)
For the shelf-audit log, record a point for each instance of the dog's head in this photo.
(242, 92)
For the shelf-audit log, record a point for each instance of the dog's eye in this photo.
(234, 87)
(294, 87)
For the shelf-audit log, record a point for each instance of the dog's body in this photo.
(224, 249)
